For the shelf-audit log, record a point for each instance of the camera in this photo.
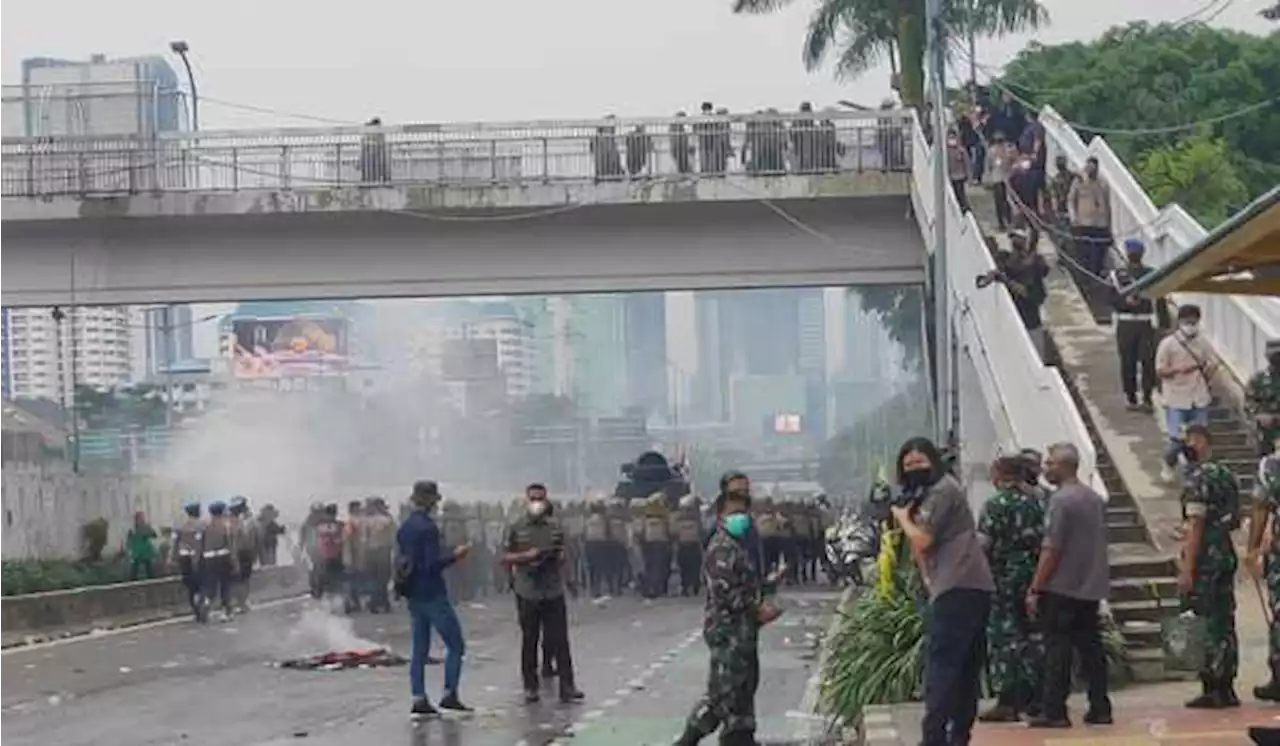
(986, 279)
(910, 497)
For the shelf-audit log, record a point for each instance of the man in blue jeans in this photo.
(418, 540)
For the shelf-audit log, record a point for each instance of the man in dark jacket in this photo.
(420, 552)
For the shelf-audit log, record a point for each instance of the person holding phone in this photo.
(737, 608)
(425, 560)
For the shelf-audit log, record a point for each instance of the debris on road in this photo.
(344, 659)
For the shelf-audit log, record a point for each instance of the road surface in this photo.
(641, 666)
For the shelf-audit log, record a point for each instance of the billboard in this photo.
(289, 346)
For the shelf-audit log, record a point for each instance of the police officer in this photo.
(327, 570)
(454, 527)
(635, 547)
(353, 556)
(687, 527)
(619, 571)
(1011, 528)
(736, 610)
(657, 546)
(767, 526)
(1211, 506)
(574, 525)
(248, 548)
(1262, 400)
(802, 535)
(494, 529)
(595, 536)
(187, 541)
(218, 554)
(1136, 322)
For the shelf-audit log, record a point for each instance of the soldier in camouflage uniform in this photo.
(736, 609)
(1262, 401)
(1011, 528)
(1266, 510)
(1211, 506)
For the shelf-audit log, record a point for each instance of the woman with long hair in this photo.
(937, 522)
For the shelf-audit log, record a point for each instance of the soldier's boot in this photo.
(1270, 691)
(690, 737)
(1210, 698)
(738, 738)
(1003, 711)
(1227, 693)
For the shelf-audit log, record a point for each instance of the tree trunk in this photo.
(911, 49)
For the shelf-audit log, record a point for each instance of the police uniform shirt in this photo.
(541, 579)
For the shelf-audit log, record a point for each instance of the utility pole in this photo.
(167, 338)
(937, 65)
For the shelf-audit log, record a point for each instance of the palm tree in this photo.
(862, 32)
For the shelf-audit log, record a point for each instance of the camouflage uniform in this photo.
(1269, 493)
(1262, 396)
(1212, 493)
(731, 628)
(1012, 526)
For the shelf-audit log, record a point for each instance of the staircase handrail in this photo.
(1238, 326)
(1020, 389)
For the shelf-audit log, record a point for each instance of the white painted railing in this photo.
(1028, 401)
(1238, 325)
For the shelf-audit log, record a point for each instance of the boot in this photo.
(1210, 697)
(689, 737)
(738, 738)
(1227, 695)
(1001, 712)
(1270, 691)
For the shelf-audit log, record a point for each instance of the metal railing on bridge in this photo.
(1238, 325)
(479, 154)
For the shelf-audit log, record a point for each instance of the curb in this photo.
(818, 729)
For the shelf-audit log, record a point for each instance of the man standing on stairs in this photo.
(1185, 364)
(1135, 318)
(1206, 580)
(1089, 206)
(1266, 509)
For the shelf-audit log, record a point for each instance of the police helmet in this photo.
(238, 504)
(217, 507)
(192, 508)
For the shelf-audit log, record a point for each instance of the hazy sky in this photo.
(500, 59)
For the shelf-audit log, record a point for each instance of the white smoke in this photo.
(321, 629)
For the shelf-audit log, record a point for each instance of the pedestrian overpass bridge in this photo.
(542, 207)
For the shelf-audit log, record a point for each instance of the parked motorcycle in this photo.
(854, 539)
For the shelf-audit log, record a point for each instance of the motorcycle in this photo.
(850, 543)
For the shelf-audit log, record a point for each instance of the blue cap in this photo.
(217, 507)
(191, 507)
(1133, 245)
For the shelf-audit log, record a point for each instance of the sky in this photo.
(310, 63)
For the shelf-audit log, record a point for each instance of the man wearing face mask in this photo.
(1185, 364)
(941, 531)
(1072, 577)
(736, 610)
(1089, 206)
(535, 551)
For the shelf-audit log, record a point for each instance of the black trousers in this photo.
(217, 580)
(954, 658)
(689, 559)
(1070, 624)
(1004, 211)
(1092, 245)
(1136, 343)
(544, 618)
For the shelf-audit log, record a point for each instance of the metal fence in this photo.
(463, 154)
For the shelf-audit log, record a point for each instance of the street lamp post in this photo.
(181, 48)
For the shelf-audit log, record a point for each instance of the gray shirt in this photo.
(956, 558)
(1076, 528)
(541, 579)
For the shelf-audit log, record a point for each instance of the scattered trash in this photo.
(169, 664)
(29, 666)
(55, 700)
(126, 669)
(477, 606)
(300, 734)
(339, 660)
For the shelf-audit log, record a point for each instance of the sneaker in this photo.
(532, 697)
(1133, 406)
(1147, 407)
(422, 710)
(451, 703)
(1166, 474)
(572, 696)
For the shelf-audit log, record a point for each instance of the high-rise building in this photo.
(88, 346)
(710, 385)
(514, 337)
(6, 365)
(98, 96)
(645, 332)
(596, 330)
(538, 314)
(163, 336)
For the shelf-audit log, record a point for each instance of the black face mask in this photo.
(917, 479)
(739, 495)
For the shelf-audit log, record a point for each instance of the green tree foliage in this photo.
(1145, 77)
(1196, 172)
(901, 309)
(859, 34)
(138, 406)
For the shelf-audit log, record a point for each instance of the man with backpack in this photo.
(419, 578)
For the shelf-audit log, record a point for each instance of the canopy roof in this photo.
(1239, 257)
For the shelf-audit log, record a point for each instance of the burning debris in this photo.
(339, 660)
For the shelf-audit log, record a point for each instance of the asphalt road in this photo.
(642, 666)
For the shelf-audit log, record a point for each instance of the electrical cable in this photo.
(277, 112)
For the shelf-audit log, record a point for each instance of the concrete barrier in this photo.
(79, 610)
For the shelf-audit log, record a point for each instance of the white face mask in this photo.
(537, 508)
(1189, 328)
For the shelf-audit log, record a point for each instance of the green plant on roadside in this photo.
(93, 539)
